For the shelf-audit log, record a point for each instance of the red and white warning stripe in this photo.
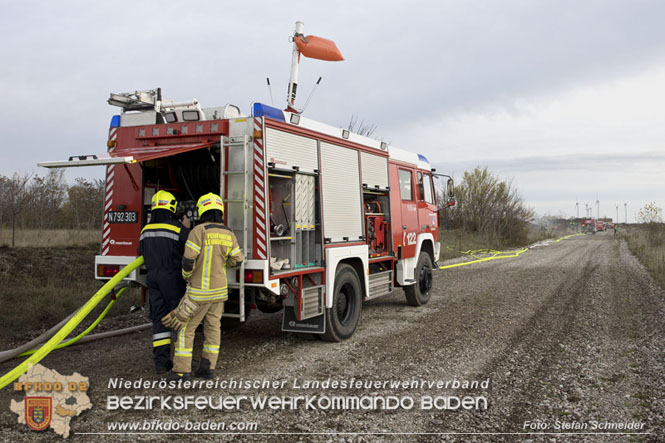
(108, 199)
(260, 238)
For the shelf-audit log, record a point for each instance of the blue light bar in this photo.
(261, 110)
(115, 121)
(422, 158)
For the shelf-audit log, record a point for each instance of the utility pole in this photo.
(617, 219)
(577, 209)
(625, 215)
(597, 208)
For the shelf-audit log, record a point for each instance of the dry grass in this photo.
(41, 286)
(36, 238)
(647, 243)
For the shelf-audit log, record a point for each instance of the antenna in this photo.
(311, 94)
(272, 102)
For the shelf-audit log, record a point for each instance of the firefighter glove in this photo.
(177, 318)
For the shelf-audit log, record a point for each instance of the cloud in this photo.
(650, 162)
(523, 86)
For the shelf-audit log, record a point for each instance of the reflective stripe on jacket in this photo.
(162, 245)
(209, 249)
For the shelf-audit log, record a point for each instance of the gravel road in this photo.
(568, 337)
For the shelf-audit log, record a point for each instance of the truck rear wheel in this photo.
(342, 318)
(418, 293)
(232, 306)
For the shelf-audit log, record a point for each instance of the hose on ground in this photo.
(494, 255)
(29, 347)
(94, 324)
(11, 353)
(71, 324)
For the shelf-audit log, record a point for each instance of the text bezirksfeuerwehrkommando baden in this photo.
(321, 400)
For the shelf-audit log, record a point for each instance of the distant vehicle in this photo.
(600, 226)
(588, 225)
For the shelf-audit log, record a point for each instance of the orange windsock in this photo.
(319, 48)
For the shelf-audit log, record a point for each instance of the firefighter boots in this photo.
(175, 376)
(204, 370)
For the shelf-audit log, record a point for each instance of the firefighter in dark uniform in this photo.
(162, 245)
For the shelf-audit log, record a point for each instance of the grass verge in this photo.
(647, 243)
(41, 286)
(41, 238)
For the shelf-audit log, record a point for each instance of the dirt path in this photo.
(570, 337)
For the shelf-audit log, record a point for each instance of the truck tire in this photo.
(342, 318)
(232, 306)
(418, 293)
(268, 308)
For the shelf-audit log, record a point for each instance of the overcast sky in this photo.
(564, 98)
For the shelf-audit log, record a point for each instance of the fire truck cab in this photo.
(326, 218)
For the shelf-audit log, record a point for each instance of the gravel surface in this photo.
(568, 337)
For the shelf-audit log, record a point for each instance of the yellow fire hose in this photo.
(566, 237)
(87, 331)
(495, 255)
(70, 325)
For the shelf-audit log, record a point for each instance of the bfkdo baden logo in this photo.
(38, 412)
(51, 399)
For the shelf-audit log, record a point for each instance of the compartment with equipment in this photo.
(186, 175)
(377, 221)
(295, 232)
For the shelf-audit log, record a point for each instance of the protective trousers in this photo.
(211, 312)
(165, 288)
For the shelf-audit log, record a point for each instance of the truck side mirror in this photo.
(450, 185)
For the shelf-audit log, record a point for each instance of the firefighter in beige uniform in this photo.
(209, 249)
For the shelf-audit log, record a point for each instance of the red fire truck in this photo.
(588, 225)
(326, 218)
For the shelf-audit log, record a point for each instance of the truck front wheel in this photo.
(342, 318)
(418, 293)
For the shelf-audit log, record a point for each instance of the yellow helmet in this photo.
(164, 200)
(209, 201)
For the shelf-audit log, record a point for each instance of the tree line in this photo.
(485, 204)
(30, 201)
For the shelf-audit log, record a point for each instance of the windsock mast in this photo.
(295, 61)
(312, 47)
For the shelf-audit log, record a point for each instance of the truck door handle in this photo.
(404, 227)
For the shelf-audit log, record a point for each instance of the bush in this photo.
(491, 207)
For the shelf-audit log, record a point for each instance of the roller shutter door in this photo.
(375, 170)
(340, 186)
(288, 150)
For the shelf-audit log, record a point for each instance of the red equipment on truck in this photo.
(326, 218)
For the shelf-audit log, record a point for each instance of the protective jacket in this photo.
(209, 249)
(162, 245)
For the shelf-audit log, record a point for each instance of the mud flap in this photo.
(313, 325)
